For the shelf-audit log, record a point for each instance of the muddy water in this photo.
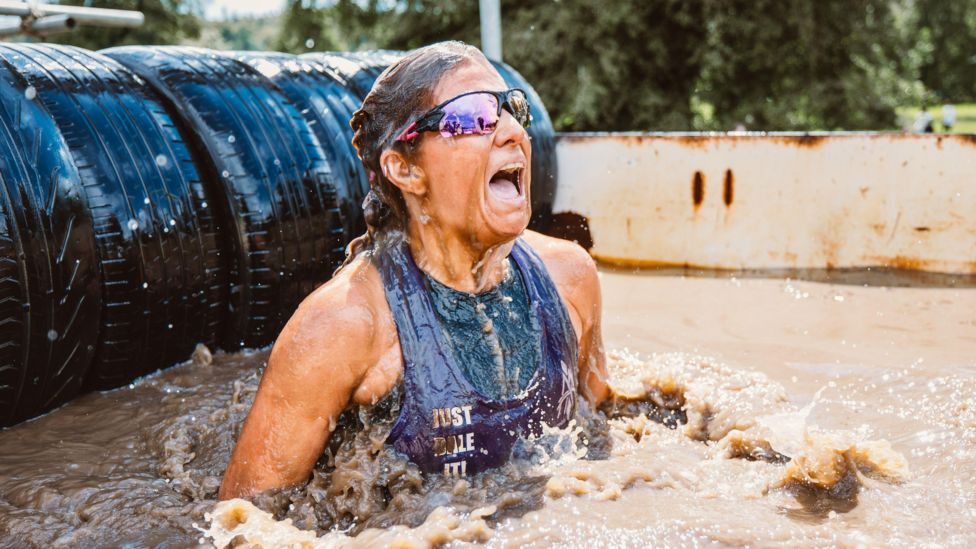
(868, 390)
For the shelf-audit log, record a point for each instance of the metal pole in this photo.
(491, 28)
(51, 24)
(103, 17)
(11, 29)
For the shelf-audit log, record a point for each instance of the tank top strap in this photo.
(559, 344)
(406, 292)
(548, 305)
(428, 364)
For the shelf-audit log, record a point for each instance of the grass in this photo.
(965, 117)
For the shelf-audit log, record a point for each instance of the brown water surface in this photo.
(812, 415)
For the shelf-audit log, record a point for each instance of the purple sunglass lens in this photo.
(469, 114)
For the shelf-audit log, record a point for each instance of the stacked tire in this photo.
(153, 198)
(161, 279)
(327, 105)
(356, 70)
(270, 168)
(50, 286)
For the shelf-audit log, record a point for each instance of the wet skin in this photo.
(341, 348)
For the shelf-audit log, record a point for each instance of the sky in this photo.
(222, 9)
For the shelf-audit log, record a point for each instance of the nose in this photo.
(509, 131)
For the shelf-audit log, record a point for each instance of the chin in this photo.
(502, 229)
(505, 203)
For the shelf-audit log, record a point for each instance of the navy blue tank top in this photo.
(445, 425)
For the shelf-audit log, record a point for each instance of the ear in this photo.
(408, 177)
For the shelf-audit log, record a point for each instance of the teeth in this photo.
(512, 171)
(512, 167)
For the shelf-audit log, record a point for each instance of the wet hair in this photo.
(403, 92)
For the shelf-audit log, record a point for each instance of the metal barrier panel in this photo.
(773, 201)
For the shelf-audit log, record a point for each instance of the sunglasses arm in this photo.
(409, 133)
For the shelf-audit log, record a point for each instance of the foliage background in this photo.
(614, 65)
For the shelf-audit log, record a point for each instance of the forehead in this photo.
(467, 77)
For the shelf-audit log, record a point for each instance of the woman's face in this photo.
(470, 187)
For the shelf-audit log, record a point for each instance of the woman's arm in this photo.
(592, 359)
(315, 366)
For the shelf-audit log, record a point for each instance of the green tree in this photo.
(701, 64)
(630, 64)
(643, 64)
(948, 28)
(404, 24)
(774, 64)
(306, 27)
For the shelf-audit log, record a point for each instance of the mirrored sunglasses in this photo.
(472, 113)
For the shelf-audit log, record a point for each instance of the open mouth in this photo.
(506, 183)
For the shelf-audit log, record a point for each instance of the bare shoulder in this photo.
(337, 330)
(567, 261)
(573, 271)
(558, 250)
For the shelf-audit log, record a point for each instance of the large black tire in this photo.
(270, 172)
(327, 107)
(359, 70)
(163, 286)
(50, 286)
(14, 306)
(356, 70)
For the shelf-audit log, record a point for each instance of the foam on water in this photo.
(721, 405)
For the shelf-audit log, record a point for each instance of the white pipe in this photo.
(491, 29)
(51, 24)
(9, 7)
(95, 16)
(11, 29)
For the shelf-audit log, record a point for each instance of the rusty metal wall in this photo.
(758, 201)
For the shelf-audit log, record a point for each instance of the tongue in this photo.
(503, 188)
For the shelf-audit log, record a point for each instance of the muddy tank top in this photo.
(495, 338)
(445, 425)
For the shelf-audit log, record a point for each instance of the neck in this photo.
(457, 260)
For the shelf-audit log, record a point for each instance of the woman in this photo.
(483, 330)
